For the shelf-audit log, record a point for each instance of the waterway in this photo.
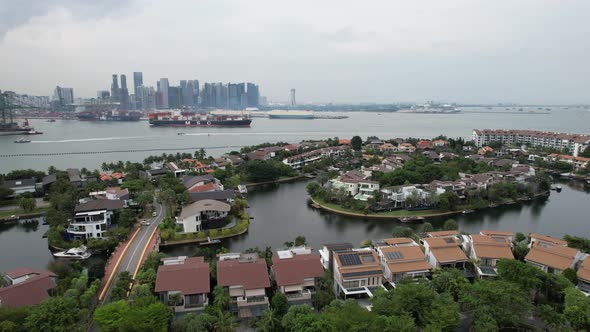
(281, 213)
(75, 136)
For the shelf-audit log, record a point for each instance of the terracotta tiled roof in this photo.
(407, 259)
(442, 234)
(584, 270)
(494, 233)
(487, 247)
(30, 292)
(557, 257)
(445, 250)
(23, 271)
(544, 134)
(549, 239)
(293, 271)
(191, 277)
(203, 188)
(398, 240)
(249, 275)
(367, 262)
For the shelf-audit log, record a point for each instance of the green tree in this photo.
(269, 322)
(293, 313)
(313, 189)
(577, 309)
(279, 304)
(450, 225)
(450, 281)
(403, 231)
(56, 314)
(357, 143)
(193, 323)
(109, 316)
(570, 275)
(220, 298)
(444, 313)
(426, 227)
(300, 240)
(27, 203)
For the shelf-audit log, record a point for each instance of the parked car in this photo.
(154, 214)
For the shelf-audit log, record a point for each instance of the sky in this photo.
(340, 51)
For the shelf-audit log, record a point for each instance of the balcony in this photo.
(252, 301)
(76, 230)
(299, 296)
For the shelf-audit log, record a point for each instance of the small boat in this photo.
(22, 140)
(180, 134)
(242, 189)
(33, 132)
(74, 253)
(558, 188)
(468, 211)
(411, 219)
(51, 120)
(210, 242)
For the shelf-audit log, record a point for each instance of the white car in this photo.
(145, 223)
(154, 214)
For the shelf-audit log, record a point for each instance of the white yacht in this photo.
(74, 253)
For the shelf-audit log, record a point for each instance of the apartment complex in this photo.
(576, 143)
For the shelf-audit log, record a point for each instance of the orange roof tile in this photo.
(584, 270)
(549, 239)
(553, 256)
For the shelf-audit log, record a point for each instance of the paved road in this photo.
(132, 257)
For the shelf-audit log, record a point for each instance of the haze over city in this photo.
(373, 51)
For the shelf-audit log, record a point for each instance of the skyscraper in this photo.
(62, 98)
(174, 97)
(137, 82)
(102, 94)
(124, 94)
(186, 93)
(233, 96)
(163, 90)
(196, 93)
(253, 95)
(115, 89)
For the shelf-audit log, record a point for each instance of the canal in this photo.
(281, 213)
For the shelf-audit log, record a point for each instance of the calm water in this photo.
(281, 213)
(65, 136)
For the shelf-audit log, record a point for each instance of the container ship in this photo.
(109, 116)
(13, 128)
(193, 119)
(284, 114)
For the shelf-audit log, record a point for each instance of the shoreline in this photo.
(199, 241)
(292, 178)
(425, 215)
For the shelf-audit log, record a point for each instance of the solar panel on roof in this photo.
(350, 259)
(362, 273)
(394, 255)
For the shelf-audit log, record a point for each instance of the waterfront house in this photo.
(584, 275)
(47, 181)
(296, 272)
(356, 184)
(444, 251)
(27, 287)
(92, 218)
(406, 147)
(177, 170)
(264, 153)
(75, 177)
(399, 194)
(226, 196)
(201, 183)
(300, 160)
(545, 240)
(245, 278)
(202, 215)
(552, 258)
(458, 187)
(182, 283)
(21, 186)
(356, 273)
(112, 193)
(509, 236)
(327, 253)
(154, 173)
(402, 258)
(487, 250)
(443, 234)
(233, 160)
(577, 162)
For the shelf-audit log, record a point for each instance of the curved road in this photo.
(131, 259)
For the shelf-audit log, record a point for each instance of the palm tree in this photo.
(224, 322)
(220, 298)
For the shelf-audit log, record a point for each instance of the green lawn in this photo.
(21, 212)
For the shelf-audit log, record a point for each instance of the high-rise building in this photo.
(174, 97)
(253, 95)
(147, 97)
(137, 82)
(233, 96)
(208, 95)
(186, 93)
(220, 95)
(115, 89)
(62, 98)
(124, 94)
(196, 93)
(103, 94)
(163, 90)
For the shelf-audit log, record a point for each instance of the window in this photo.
(98, 227)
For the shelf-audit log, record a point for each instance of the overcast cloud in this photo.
(527, 51)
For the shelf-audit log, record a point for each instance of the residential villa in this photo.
(487, 250)
(111, 193)
(356, 184)
(177, 170)
(245, 277)
(399, 194)
(296, 271)
(264, 153)
(577, 162)
(357, 272)
(92, 218)
(574, 142)
(203, 214)
(328, 250)
(201, 183)
(300, 160)
(182, 283)
(27, 287)
(443, 234)
(21, 186)
(545, 240)
(552, 258)
(402, 258)
(444, 251)
(406, 147)
(584, 276)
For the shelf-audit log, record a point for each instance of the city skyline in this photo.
(383, 52)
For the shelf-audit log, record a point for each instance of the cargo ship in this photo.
(284, 114)
(192, 119)
(109, 116)
(15, 129)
